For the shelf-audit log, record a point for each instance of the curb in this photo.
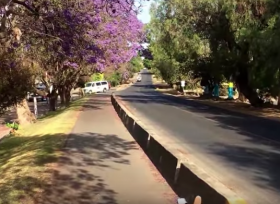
(185, 178)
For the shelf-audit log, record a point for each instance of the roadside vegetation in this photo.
(27, 157)
(125, 72)
(62, 44)
(216, 42)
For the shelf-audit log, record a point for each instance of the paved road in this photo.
(231, 147)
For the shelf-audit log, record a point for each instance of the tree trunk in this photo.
(24, 115)
(53, 98)
(241, 96)
(68, 94)
(61, 93)
(52, 104)
(242, 82)
(68, 97)
(81, 92)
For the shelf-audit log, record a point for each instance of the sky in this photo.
(144, 16)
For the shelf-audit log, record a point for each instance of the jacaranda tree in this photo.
(64, 40)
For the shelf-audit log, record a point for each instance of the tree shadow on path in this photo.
(75, 178)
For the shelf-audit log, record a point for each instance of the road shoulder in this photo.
(268, 113)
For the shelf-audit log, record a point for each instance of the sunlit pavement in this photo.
(241, 151)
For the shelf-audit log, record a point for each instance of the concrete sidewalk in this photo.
(103, 164)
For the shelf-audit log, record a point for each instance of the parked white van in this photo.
(96, 86)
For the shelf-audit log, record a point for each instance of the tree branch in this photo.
(26, 6)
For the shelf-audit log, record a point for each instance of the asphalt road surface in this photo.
(241, 151)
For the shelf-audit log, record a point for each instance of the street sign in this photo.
(51, 88)
(35, 106)
(183, 83)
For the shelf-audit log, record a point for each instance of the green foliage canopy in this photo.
(217, 40)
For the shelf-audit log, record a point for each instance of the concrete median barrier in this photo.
(163, 159)
(141, 136)
(113, 100)
(126, 122)
(120, 111)
(123, 116)
(189, 185)
(155, 151)
(117, 108)
(114, 103)
(168, 165)
(130, 124)
(187, 180)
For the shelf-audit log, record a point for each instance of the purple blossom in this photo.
(97, 19)
(15, 45)
(100, 67)
(91, 60)
(27, 47)
(71, 64)
(90, 35)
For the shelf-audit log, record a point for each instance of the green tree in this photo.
(217, 40)
(147, 63)
(136, 64)
(97, 77)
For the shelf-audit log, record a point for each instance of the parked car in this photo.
(30, 96)
(139, 78)
(96, 87)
